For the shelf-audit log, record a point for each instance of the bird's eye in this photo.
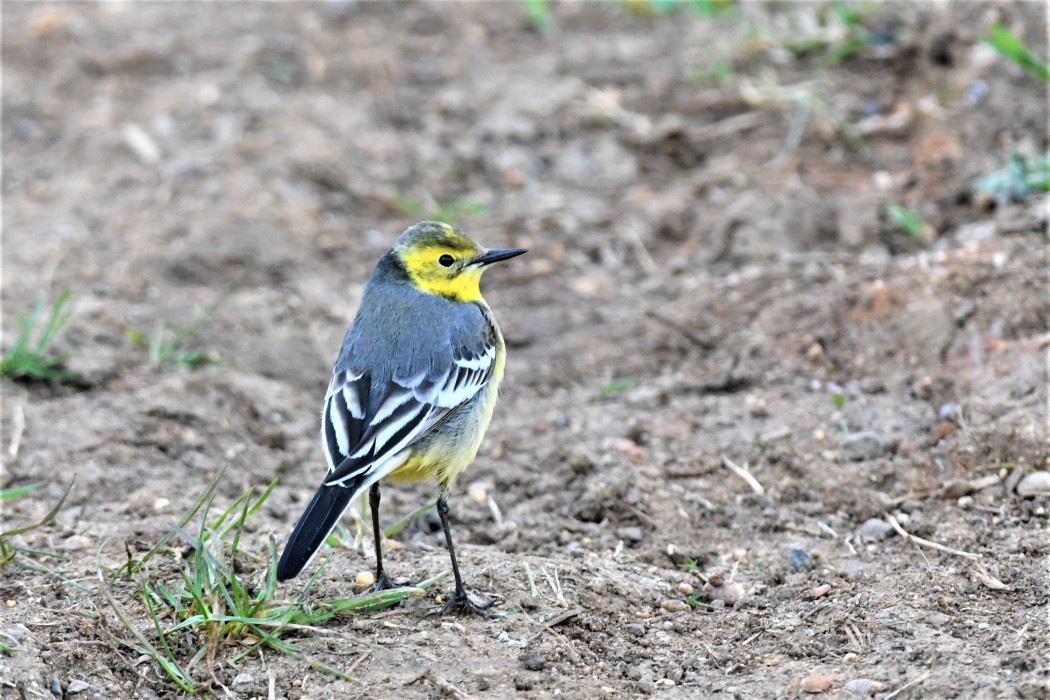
(446, 260)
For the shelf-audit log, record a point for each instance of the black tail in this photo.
(314, 526)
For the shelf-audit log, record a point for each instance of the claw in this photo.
(383, 583)
(461, 603)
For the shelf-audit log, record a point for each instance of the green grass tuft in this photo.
(32, 358)
(10, 552)
(618, 385)
(222, 599)
(911, 222)
(1010, 46)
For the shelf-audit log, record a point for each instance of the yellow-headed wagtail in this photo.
(413, 390)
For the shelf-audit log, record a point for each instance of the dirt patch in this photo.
(715, 276)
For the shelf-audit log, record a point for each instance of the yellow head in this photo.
(443, 261)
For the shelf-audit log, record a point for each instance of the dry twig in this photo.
(744, 474)
(927, 543)
(909, 685)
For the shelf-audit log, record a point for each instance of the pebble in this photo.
(630, 534)
(243, 679)
(957, 488)
(599, 585)
(74, 543)
(864, 687)
(815, 684)
(1034, 484)
(510, 641)
(365, 578)
(718, 604)
(674, 606)
(730, 593)
(875, 529)
(872, 385)
(756, 405)
(798, 558)
(56, 686)
(685, 588)
(636, 629)
(866, 444)
(646, 685)
(532, 661)
(849, 658)
(76, 686)
(161, 504)
(943, 429)
(821, 591)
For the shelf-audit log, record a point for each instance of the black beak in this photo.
(491, 256)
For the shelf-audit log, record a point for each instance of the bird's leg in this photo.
(460, 601)
(382, 582)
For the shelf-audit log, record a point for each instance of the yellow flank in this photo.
(449, 452)
(456, 283)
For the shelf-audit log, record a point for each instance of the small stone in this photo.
(864, 687)
(76, 686)
(479, 492)
(10, 603)
(957, 487)
(875, 529)
(365, 578)
(685, 588)
(821, 591)
(730, 593)
(949, 411)
(863, 446)
(942, 429)
(532, 661)
(599, 585)
(632, 535)
(522, 682)
(849, 658)
(674, 606)
(798, 558)
(872, 385)
(56, 686)
(161, 504)
(646, 685)
(718, 604)
(756, 405)
(636, 629)
(815, 684)
(1034, 484)
(243, 679)
(74, 543)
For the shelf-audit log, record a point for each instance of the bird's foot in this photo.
(460, 602)
(384, 583)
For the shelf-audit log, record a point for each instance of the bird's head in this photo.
(443, 261)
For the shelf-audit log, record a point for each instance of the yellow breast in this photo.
(454, 445)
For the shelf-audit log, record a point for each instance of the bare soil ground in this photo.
(713, 277)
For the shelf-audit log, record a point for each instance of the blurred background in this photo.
(807, 239)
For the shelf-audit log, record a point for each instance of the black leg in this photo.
(373, 504)
(382, 582)
(459, 600)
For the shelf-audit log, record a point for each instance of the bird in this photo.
(412, 392)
